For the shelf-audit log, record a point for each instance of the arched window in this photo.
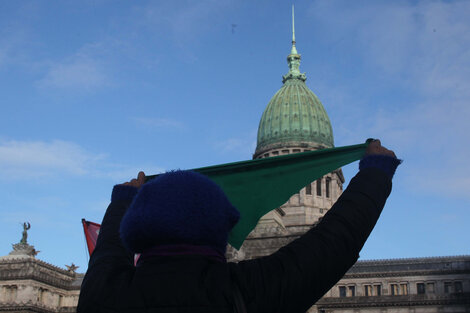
(327, 187)
(308, 189)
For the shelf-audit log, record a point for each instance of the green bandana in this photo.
(258, 186)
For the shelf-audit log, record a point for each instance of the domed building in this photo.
(294, 121)
(295, 117)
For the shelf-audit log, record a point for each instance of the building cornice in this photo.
(32, 260)
(37, 270)
(411, 266)
(394, 301)
(31, 307)
(405, 273)
(452, 258)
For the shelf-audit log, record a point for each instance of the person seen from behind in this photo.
(179, 223)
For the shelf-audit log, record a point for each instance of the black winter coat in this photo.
(290, 280)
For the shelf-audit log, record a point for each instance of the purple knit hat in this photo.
(179, 207)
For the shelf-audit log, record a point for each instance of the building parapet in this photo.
(390, 301)
(411, 266)
(37, 270)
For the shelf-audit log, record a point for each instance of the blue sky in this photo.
(93, 91)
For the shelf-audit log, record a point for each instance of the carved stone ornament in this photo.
(23, 249)
(71, 268)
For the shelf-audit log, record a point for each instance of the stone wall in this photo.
(30, 285)
(439, 284)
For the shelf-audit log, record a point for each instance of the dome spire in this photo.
(293, 50)
(293, 59)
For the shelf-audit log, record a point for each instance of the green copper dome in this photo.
(294, 117)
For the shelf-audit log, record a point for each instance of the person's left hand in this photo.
(375, 147)
(137, 182)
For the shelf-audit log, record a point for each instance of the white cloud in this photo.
(423, 47)
(38, 158)
(14, 44)
(242, 146)
(88, 68)
(425, 44)
(76, 74)
(26, 160)
(440, 181)
(184, 22)
(15, 34)
(232, 144)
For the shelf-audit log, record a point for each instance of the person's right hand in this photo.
(137, 182)
(375, 147)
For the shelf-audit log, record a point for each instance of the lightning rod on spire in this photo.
(293, 27)
(294, 50)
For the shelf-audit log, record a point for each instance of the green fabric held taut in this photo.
(258, 186)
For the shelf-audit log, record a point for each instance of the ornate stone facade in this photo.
(437, 284)
(31, 285)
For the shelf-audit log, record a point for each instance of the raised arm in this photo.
(110, 260)
(296, 276)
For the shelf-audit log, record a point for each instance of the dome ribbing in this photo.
(294, 117)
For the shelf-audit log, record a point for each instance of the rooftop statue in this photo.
(22, 248)
(26, 227)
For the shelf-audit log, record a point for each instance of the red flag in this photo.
(92, 231)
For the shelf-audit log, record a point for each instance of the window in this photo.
(280, 211)
(275, 152)
(319, 187)
(403, 289)
(421, 288)
(286, 151)
(372, 290)
(399, 289)
(308, 189)
(347, 291)
(447, 287)
(430, 287)
(40, 298)
(458, 286)
(296, 150)
(266, 155)
(378, 290)
(327, 190)
(10, 292)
